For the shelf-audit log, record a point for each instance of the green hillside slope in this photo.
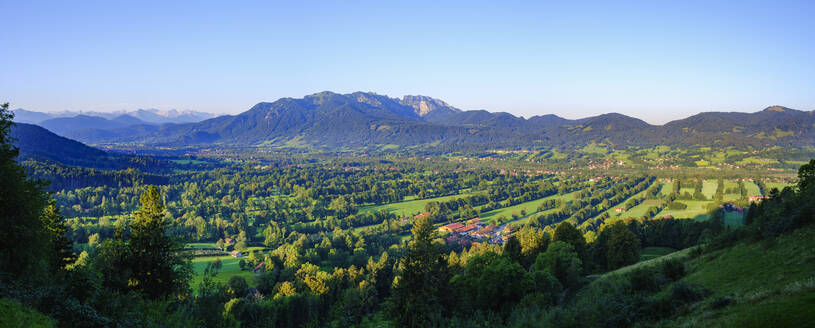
(768, 284)
(765, 284)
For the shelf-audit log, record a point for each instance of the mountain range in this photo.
(87, 126)
(148, 116)
(363, 119)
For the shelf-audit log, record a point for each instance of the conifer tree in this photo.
(415, 301)
(62, 253)
(158, 267)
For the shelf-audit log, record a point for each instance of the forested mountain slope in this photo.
(37, 143)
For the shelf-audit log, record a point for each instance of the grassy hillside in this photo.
(14, 315)
(770, 284)
(765, 284)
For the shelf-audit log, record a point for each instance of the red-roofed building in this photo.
(485, 231)
(474, 221)
(421, 215)
(451, 227)
(466, 229)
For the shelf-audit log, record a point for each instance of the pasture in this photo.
(410, 207)
(709, 188)
(777, 185)
(201, 245)
(230, 268)
(531, 208)
(636, 211)
(696, 210)
(752, 188)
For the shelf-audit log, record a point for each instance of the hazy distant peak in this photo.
(26, 116)
(150, 115)
(424, 105)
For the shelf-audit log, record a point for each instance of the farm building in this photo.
(421, 215)
(466, 229)
(236, 254)
(486, 231)
(451, 227)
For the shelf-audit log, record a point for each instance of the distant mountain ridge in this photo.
(87, 126)
(364, 119)
(153, 116)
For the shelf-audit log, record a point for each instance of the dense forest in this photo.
(378, 244)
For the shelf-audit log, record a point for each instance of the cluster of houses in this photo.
(606, 164)
(472, 230)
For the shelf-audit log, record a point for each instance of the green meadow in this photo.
(531, 208)
(709, 188)
(696, 210)
(230, 268)
(636, 211)
(410, 207)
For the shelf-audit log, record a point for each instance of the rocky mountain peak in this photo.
(424, 105)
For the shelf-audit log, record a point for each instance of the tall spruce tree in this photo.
(415, 301)
(62, 253)
(159, 268)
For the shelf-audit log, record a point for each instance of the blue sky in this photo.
(656, 60)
